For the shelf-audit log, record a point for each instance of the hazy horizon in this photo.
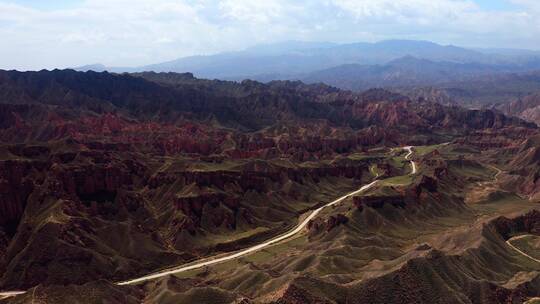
(71, 33)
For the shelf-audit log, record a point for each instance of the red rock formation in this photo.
(88, 181)
(100, 147)
(15, 187)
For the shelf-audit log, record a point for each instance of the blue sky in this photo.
(66, 33)
(499, 5)
(50, 5)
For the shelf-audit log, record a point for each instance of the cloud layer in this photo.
(138, 32)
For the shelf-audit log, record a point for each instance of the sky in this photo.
(38, 34)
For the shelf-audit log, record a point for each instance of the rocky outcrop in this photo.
(215, 196)
(95, 183)
(496, 139)
(524, 168)
(528, 223)
(255, 180)
(378, 202)
(434, 161)
(16, 185)
(411, 194)
(527, 108)
(317, 225)
(193, 207)
(426, 183)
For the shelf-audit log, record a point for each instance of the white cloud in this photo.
(409, 10)
(530, 4)
(100, 31)
(252, 11)
(136, 32)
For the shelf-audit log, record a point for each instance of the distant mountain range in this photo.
(408, 71)
(497, 89)
(392, 62)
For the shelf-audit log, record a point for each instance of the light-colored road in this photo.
(408, 157)
(9, 294)
(509, 243)
(217, 260)
(247, 251)
(499, 172)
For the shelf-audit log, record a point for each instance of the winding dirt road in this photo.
(509, 243)
(249, 250)
(408, 157)
(499, 172)
(216, 260)
(532, 300)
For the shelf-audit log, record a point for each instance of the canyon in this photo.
(120, 178)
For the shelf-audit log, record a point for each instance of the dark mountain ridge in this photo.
(248, 104)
